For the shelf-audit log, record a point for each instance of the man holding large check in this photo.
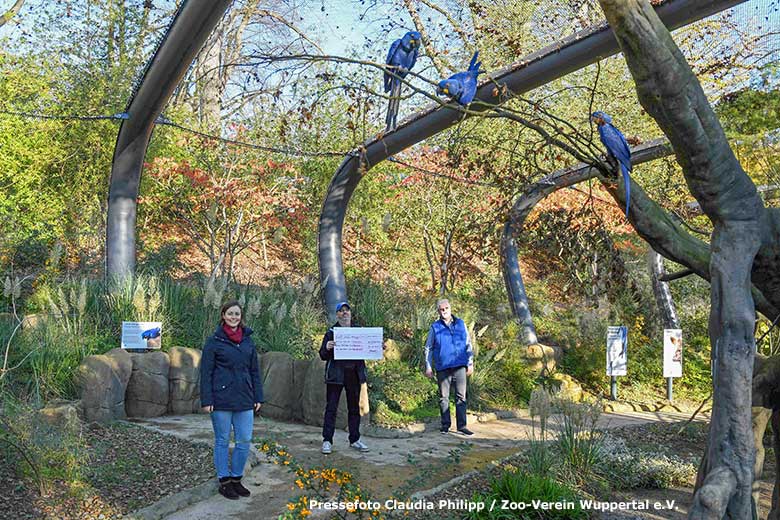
(344, 349)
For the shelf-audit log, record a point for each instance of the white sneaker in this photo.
(326, 447)
(358, 445)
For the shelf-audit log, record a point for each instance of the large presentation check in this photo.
(357, 342)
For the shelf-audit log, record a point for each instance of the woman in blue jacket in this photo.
(231, 391)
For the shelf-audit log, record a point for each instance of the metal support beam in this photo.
(543, 66)
(525, 203)
(187, 33)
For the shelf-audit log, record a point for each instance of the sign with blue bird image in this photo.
(141, 335)
(617, 351)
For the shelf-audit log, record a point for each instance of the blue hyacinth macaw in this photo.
(462, 86)
(151, 333)
(617, 148)
(400, 60)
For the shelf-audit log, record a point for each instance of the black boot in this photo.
(238, 488)
(226, 488)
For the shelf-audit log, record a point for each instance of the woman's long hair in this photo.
(225, 307)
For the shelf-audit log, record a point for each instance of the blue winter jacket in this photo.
(230, 373)
(448, 346)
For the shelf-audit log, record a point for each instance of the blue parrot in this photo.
(462, 86)
(617, 148)
(400, 60)
(151, 333)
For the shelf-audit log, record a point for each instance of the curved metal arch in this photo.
(193, 23)
(525, 203)
(543, 66)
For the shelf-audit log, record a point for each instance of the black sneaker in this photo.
(465, 431)
(227, 491)
(239, 488)
(444, 431)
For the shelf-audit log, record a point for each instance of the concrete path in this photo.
(410, 464)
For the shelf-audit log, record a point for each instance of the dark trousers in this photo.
(352, 387)
(452, 377)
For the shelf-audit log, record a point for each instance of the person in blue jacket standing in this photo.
(231, 391)
(449, 351)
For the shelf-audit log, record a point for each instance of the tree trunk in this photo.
(761, 418)
(774, 514)
(663, 296)
(671, 94)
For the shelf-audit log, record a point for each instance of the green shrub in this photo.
(400, 394)
(377, 305)
(38, 449)
(524, 487)
(500, 381)
(636, 468)
(286, 318)
(579, 440)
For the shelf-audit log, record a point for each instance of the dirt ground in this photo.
(131, 468)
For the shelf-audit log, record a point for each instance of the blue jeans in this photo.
(242, 423)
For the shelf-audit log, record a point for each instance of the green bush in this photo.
(500, 381)
(38, 449)
(400, 394)
(377, 305)
(524, 487)
(286, 318)
(635, 468)
(579, 441)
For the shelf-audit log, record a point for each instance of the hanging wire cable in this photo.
(35, 115)
(162, 120)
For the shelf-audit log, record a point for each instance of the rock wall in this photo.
(119, 384)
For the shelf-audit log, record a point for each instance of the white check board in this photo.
(357, 342)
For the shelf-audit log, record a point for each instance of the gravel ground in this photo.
(128, 468)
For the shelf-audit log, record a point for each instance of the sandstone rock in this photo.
(566, 387)
(147, 391)
(542, 358)
(32, 321)
(61, 415)
(392, 351)
(102, 381)
(276, 372)
(620, 406)
(314, 398)
(184, 380)
(300, 368)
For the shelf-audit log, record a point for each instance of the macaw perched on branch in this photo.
(617, 148)
(462, 86)
(400, 60)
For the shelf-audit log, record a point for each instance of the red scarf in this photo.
(234, 335)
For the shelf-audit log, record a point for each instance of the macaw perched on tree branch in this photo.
(617, 148)
(400, 60)
(462, 86)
